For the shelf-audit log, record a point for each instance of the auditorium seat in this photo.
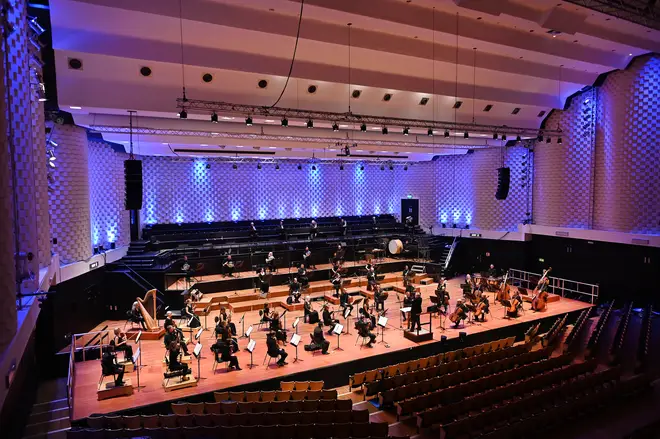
(196, 408)
(287, 385)
(150, 421)
(252, 396)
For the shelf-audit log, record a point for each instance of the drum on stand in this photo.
(395, 246)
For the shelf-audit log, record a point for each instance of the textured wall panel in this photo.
(466, 185)
(186, 190)
(40, 180)
(627, 184)
(69, 202)
(109, 219)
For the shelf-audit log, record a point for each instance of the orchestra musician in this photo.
(174, 348)
(120, 343)
(276, 327)
(408, 298)
(363, 326)
(327, 318)
(265, 314)
(227, 336)
(311, 315)
(313, 230)
(228, 266)
(253, 231)
(223, 314)
(336, 282)
(319, 339)
(409, 224)
(302, 276)
(345, 300)
(136, 316)
(460, 313)
(406, 276)
(109, 366)
(515, 305)
(219, 327)
(294, 291)
(222, 352)
(174, 335)
(189, 312)
(270, 262)
(343, 225)
(380, 297)
(307, 258)
(339, 255)
(491, 271)
(264, 285)
(469, 281)
(443, 295)
(483, 308)
(169, 321)
(415, 311)
(274, 349)
(371, 277)
(282, 230)
(365, 312)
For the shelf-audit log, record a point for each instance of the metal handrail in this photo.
(105, 333)
(451, 252)
(70, 381)
(557, 285)
(140, 277)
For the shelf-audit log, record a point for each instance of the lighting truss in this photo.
(350, 118)
(643, 12)
(277, 138)
(305, 161)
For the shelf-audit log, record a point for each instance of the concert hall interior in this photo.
(330, 219)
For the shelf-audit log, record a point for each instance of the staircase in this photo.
(49, 417)
(137, 247)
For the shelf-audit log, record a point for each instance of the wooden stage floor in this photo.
(151, 375)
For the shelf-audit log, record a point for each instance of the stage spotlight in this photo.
(258, 165)
(384, 130)
(405, 168)
(347, 150)
(361, 167)
(285, 122)
(405, 131)
(548, 139)
(391, 168)
(248, 121)
(494, 136)
(444, 225)
(214, 117)
(235, 166)
(310, 123)
(443, 338)
(466, 135)
(429, 132)
(363, 127)
(183, 114)
(467, 226)
(453, 226)
(446, 133)
(539, 137)
(462, 336)
(277, 167)
(341, 167)
(382, 168)
(208, 166)
(559, 140)
(335, 127)
(518, 139)
(299, 167)
(503, 136)
(313, 167)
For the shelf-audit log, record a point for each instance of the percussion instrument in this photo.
(395, 246)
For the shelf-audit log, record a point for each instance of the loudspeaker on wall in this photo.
(133, 185)
(503, 180)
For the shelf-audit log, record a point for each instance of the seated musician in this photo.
(491, 271)
(175, 335)
(339, 255)
(328, 320)
(219, 327)
(265, 314)
(174, 350)
(406, 276)
(120, 343)
(169, 321)
(294, 291)
(319, 340)
(379, 298)
(223, 353)
(365, 311)
(483, 308)
(228, 266)
(189, 312)
(302, 276)
(310, 316)
(274, 349)
(336, 283)
(462, 312)
(516, 305)
(228, 337)
(469, 281)
(231, 326)
(345, 300)
(276, 327)
(371, 277)
(223, 314)
(363, 326)
(135, 315)
(109, 366)
(270, 262)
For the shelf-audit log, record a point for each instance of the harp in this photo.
(147, 308)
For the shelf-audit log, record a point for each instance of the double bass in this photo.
(503, 293)
(540, 299)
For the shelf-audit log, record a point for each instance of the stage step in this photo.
(426, 281)
(49, 417)
(108, 390)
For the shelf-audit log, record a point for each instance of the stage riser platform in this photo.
(337, 374)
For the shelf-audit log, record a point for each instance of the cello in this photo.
(514, 305)
(458, 314)
(503, 293)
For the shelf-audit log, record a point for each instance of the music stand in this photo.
(295, 341)
(137, 357)
(347, 316)
(197, 353)
(295, 324)
(198, 336)
(405, 309)
(382, 322)
(138, 340)
(505, 304)
(206, 313)
(247, 334)
(250, 348)
(337, 330)
(242, 322)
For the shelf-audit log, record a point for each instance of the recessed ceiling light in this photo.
(239, 146)
(343, 126)
(269, 121)
(375, 128)
(227, 118)
(272, 147)
(76, 108)
(203, 144)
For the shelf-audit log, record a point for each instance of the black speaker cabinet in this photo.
(133, 179)
(503, 180)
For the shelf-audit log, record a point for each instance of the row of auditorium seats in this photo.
(228, 407)
(596, 335)
(434, 384)
(276, 395)
(480, 394)
(301, 385)
(363, 378)
(442, 369)
(291, 431)
(619, 337)
(274, 418)
(554, 331)
(644, 339)
(519, 410)
(571, 342)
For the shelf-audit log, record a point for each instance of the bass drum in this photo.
(395, 246)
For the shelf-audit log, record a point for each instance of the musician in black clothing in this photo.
(109, 366)
(485, 308)
(443, 295)
(309, 311)
(343, 225)
(415, 311)
(270, 262)
(408, 298)
(371, 277)
(265, 314)
(228, 266)
(319, 339)
(282, 230)
(264, 284)
(345, 300)
(307, 258)
(274, 349)
(253, 231)
(173, 357)
(336, 283)
(294, 291)
(222, 353)
(120, 343)
(491, 271)
(219, 327)
(339, 256)
(223, 314)
(189, 312)
(276, 327)
(231, 326)
(364, 329)
(328, 320)
(379, 298)
(169, 321)
(174, 334)
(406, 276)
(135, 315)
(302, 276)
(409, 224)
(366, 312)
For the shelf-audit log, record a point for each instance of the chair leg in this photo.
(264, 362)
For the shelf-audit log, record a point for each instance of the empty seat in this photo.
(287, 385)
(196, 408)
(316, 385)
(301, 385)
(221, 396)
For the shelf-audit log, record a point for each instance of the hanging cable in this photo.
(293, 58)
(474, 81)
(183, 73)
(349, 67)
